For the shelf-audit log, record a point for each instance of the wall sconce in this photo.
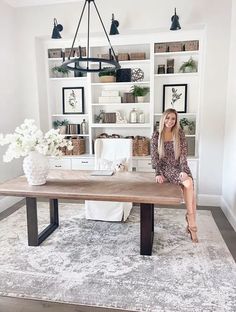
(57, 28)
(175, 22)
(114, 25)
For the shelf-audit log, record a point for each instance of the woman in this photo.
(169, 158)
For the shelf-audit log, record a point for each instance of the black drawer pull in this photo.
(84, 162)
(58, 166)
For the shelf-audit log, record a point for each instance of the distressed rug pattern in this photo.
(98, 263)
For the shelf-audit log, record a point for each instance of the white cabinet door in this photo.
(59, 163)
(82, 164)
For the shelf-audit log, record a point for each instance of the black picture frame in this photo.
(73, 100)
(175, 96)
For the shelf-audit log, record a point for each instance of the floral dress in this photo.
(168, 166)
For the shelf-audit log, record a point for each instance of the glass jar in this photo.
(141, 117)
(161, 69)
(133, 116)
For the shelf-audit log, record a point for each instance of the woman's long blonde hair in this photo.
(175, 131)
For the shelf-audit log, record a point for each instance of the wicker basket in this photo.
(78, 146)
(137, 56)
(141, 146)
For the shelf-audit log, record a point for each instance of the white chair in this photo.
(109, 153)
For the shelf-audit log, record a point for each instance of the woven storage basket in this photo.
(78, 146)
(141, 146)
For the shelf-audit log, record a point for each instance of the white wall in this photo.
(229, 167)
(134, 15)
(10, 107)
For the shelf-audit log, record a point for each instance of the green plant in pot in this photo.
(107, 75)
(139, 92)
(188, 126)
(59, 71)
(61, 124)
(189, 66)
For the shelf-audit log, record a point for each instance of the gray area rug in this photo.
(98, 263)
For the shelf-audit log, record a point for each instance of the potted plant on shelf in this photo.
(61, 125)
(107, 75)
(60, 72)
(189, 66)
(188, 126)
(139, 93)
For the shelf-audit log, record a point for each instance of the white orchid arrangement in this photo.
(28, 138)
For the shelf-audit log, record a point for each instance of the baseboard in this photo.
(228, 213)
(7, 202)
(208, 200)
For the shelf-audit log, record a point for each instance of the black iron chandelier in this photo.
(87, 63)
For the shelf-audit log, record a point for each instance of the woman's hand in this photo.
(183, 176)
(160, 179)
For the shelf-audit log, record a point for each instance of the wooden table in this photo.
(136, 187)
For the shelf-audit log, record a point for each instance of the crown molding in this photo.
(25, 3)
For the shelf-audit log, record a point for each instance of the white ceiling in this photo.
(23, 3)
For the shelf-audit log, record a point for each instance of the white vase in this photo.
(36, 168)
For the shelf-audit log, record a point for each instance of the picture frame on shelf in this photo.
(175, 96)
(73, 100)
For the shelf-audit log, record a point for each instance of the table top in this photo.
(138, 187)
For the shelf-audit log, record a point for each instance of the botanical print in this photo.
(175, 96)
(73, 100)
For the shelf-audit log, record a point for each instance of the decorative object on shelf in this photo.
(192, 45)
(175, 22)
(61, 125)
(175, 96)
(160, 47)
(123, 56)
(189, 66)
(170, 66)
(175, 46)
(78, 146)
(137, 56)
(128, 97)
(141, 146)
(87, 64)
(73, 129)
(54, 53)
(161, 69)
(57, 28)
(139, 93)
(123, 75)
(156, 127)
(109, 96)
(109, 118)
(133, 116)
(59, 72)
(137, 74)
(30, 142)
(78, 73)
(114, 26)
(107, 75)
(73, 100)
(187, 125)
(120, 119)
(84, 127)
(100, 118)
(141, 117)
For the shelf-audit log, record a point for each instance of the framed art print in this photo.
(175, 96)
(73, 100)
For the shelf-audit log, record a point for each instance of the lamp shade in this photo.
(175, 22)
(57, 28)
(114, 26)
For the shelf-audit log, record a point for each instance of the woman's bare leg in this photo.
(190, 202)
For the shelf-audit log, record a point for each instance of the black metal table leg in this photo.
(35, 238)
(146, 228)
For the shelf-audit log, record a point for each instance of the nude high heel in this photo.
(192, 230)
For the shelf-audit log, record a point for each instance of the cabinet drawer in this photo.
(144, 165)
(82, 164)
(59, 163)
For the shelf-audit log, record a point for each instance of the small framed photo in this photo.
(73, 100)
(175, 96)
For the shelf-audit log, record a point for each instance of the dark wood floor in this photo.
(8, 304)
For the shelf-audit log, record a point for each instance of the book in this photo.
(102, 173)
(110, 93)
(109, 99)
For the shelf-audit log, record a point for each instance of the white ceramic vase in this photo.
(36, 168)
